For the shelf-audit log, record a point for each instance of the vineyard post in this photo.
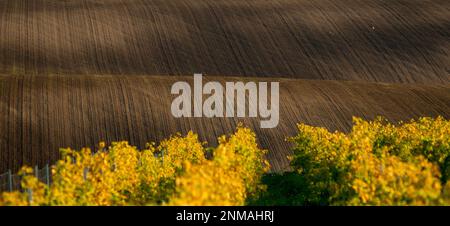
(36, 172)
(85, 172)
(30, 195)
(10, 183)
(47, 175)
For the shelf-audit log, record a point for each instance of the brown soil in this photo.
(76, 72)
(402, 41)
(40, 114)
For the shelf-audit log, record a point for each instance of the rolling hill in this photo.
(401, 41)
(76, 72)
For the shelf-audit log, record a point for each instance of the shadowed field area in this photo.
(402, 41)
(76, 72)
(39, 114)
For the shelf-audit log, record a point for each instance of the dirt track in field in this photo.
(76, 72)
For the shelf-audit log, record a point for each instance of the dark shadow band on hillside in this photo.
(400, 41)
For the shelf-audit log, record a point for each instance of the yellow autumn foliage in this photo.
(229, 179)
(167, 174)
(377, 163)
